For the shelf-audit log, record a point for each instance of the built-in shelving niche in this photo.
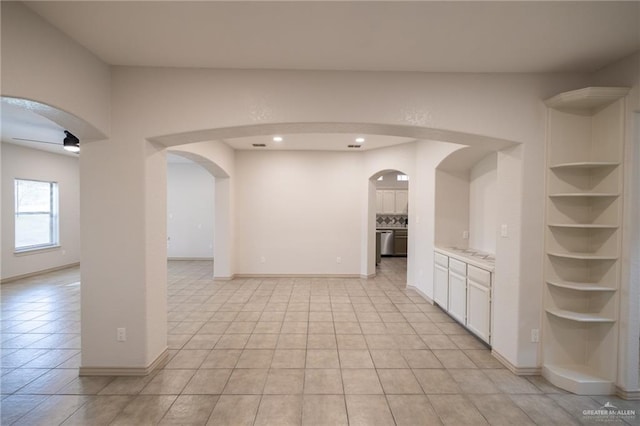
(583, 239)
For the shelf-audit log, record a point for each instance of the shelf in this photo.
(584, 101)
(578, 316)
(578, 379)
(586, 195)
(585, 165)
(583, 232)
(582, 256)
(582, 226)
(571, 285)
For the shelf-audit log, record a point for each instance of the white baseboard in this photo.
(421, 293)
(633, 395)
(126, 371)
(224, 278)
(297, 275)
(367, 276)
(36, 273)
(518, 371)
(190, 258)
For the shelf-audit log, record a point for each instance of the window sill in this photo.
(35, 250)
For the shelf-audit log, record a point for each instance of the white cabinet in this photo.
(464, 291)
(402, 201)
(441, 281)
(391, 201)
(379, 202)
(458, 290)
(479, 302)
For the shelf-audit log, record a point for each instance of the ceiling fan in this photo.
(70, 143)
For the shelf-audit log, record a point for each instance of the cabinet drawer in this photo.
(479, 276)
(442, 260)
(458, 267)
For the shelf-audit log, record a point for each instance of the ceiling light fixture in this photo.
(71, 142)
(359, 140)
(277, 138)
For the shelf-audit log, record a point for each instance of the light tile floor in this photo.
(272, 352)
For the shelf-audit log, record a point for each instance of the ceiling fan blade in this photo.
(35, 140)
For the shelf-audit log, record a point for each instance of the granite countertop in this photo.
(471, 256)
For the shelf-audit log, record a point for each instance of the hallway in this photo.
(272, 352)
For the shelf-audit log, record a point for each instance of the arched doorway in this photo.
(389, 189)
(221, 243)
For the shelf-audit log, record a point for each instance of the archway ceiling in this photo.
(426, 36)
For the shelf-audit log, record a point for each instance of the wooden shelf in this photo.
(585, 195)
(585, 165)
(571, 285)
(582, 256)
(579, 379)
(578, 316)
(582, 226)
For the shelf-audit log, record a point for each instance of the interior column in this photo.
(123, 260)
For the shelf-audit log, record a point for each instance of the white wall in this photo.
(41, 63)
(25, 163)
(483, 180)
(190, 211)
(298, 211)
(626, 73)
(452, 209)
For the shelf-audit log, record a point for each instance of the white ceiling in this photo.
(317, 142)
(425, 36)
(446, 36)
(19, 124)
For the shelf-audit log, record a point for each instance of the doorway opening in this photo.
(390, 226)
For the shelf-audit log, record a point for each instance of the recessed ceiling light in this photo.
(359, 140)
(277, 138)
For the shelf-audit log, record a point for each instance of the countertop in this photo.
(471, 256)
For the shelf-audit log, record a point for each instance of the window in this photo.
(402, 177)
(36, 207)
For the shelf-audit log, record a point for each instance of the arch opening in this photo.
(388, 205)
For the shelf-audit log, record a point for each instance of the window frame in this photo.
(52, 213)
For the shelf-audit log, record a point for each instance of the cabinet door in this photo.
(379, 202)
(388, 201)
(402, 201)
(479, 309)
(441, 288)
(458, 296)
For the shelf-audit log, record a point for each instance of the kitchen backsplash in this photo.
(392, 220)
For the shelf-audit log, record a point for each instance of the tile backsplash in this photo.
(392, 220)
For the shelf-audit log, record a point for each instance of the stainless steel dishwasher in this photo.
(386, 242)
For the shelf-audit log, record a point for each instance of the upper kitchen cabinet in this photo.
(585, 139)
(392, 201)
(392, 194)
(401, 204)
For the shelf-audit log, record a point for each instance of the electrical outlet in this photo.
(535, 335)
(465, 235)
(504, 231)
(263, 259)
(121, 334)
(338, 259)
